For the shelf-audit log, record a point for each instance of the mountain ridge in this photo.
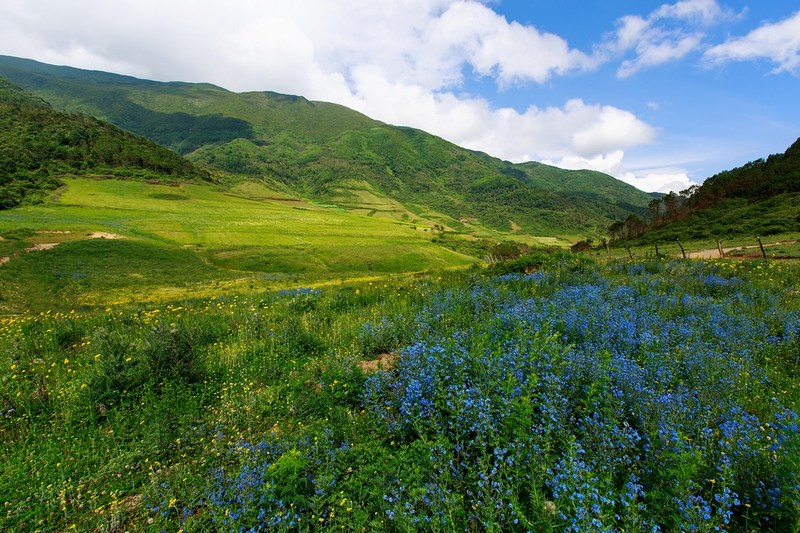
(319, 149)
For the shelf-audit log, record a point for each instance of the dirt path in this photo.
(713, 253)
(42, 246)
(104, 235)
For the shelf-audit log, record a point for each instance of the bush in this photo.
(385, 336)
(118, 371)
(170, 352)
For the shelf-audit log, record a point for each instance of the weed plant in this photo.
(564, 396)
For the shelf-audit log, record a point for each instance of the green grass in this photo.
(193, 239)
(95, 270)
(133, 418)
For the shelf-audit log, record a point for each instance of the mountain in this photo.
(334, 155)
(761, 197)
(39, 144)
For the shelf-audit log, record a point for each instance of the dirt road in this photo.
(714, 252)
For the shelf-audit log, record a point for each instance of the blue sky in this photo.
(710, 116)
(659, 94)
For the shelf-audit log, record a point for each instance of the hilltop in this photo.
(332, 154)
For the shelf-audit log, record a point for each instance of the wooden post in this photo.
(630, 254)
(719, 247)
(682, 250)
(658, 255)
(763, 253)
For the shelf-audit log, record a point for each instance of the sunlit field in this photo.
(576, 396)
(163, 243)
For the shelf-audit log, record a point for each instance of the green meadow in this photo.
(121, 241)
(583, 396)
(203, 358)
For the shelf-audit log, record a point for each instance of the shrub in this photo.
(117, 371)
(385, 336)
(170, 352)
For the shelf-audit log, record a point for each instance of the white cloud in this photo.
(669, 33)
(507, 51)
(704, 11)
(778, 42)
(250, 45)
(662, 182)
(655, 52)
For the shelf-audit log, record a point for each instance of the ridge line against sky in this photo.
(660, 95)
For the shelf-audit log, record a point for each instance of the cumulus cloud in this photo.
(310, 46)
(778, 42)
(669, 33)
(508, 51)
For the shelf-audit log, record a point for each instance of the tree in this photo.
(670, 206)
(654, 209)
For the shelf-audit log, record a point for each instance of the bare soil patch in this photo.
(384, 361)
(42, 246)
(104, 235)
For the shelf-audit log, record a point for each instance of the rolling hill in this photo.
(331, 154)
(132, 221)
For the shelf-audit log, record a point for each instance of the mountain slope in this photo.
(335, 155)
(759, 198)
(755, 181)
(39, 144)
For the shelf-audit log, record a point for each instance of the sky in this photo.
(659, 95)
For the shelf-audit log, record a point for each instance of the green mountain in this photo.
(761, 197)
(334, 155)
(39, 144)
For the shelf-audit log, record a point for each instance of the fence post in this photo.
(719, 247)
(682, 250)
(763, 253)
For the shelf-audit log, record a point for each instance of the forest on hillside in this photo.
(760, 197)
(39, 144)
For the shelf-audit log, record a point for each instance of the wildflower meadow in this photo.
(576, 396)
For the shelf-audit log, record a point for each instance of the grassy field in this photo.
(193, 358)
(584, 396)
(193, 240)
